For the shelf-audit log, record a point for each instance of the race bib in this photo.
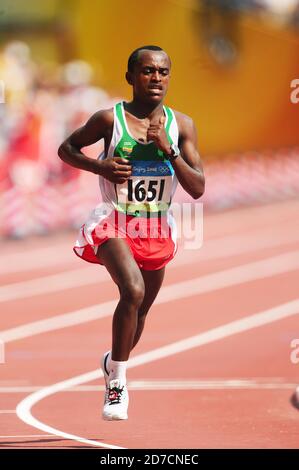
(149, 188)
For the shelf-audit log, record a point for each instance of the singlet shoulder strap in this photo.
(171, 128)
(170, 117)
(119, 114)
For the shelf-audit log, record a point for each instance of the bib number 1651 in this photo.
(140, 193)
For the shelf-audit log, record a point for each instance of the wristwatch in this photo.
(175, 152)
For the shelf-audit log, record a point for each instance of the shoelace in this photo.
(114, 396)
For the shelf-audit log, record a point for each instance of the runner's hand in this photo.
(156, 132)
(116, 169)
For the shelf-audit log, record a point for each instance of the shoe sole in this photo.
(114, 417)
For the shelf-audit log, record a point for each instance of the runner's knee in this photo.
(133, 292)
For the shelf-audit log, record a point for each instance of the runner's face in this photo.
(151, 76)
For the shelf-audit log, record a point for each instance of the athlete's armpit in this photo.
(95, 129)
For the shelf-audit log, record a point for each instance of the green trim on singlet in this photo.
(145, 152)
(120, 117)
(134, 151)
(169, 121)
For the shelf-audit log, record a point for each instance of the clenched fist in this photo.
(116, 169)
(157, 133)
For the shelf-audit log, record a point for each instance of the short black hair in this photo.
(133, 59)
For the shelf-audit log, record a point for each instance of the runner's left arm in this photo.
(188, 166)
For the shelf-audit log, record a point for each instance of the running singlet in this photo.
(149, 190)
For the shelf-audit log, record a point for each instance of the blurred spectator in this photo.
(43, 104)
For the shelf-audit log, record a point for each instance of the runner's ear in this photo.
(162, 119)
(129, 78)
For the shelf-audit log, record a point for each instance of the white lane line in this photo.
(53, 283)
(229, 277)
(76, 317)
(183, 384)
(233, 245)
(35, 259)
(215, 334)
(21, 389)
(28, 435)
(24, 407)
(175, 384)
(213, 249)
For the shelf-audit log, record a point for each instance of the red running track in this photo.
(211, 387)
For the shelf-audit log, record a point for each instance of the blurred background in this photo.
(60, 61)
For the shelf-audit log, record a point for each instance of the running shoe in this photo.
(116, 402)
(104, 367)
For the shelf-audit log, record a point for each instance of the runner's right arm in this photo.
(116, 170)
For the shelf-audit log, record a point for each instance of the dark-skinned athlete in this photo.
(148, 148)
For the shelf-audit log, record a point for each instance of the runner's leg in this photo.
(152, 282)
(115, 254)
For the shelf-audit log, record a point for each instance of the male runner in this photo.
(148, 147)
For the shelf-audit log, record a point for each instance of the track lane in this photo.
(30, 356)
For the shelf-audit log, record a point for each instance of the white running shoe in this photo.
(104, 367)
(106, 376)
(117, 401)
